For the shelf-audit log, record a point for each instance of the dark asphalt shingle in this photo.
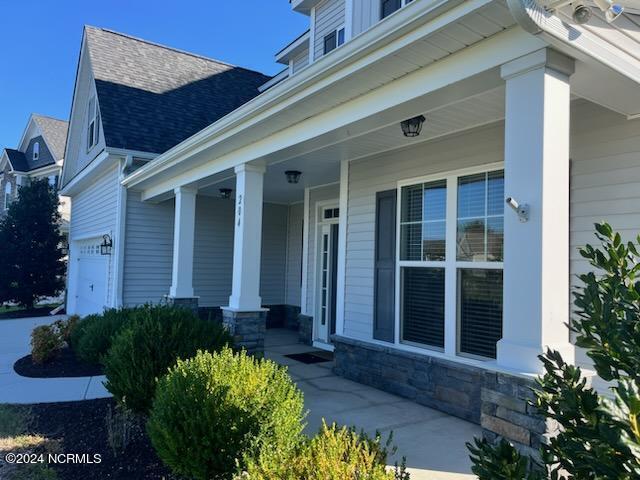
(54, 132)
(153, 97)
(17, 159)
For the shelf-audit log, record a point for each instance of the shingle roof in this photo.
(153, 97)
(54, 132)
(17, 159)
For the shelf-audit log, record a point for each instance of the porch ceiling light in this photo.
(413, 126)
(106, 245)
(293, 176)
(225, 193)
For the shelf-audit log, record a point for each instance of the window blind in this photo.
(423, 306)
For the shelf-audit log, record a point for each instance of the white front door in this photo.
(91, 286)
(325, 324)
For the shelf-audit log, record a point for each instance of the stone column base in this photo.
(305, 329)
(190, 303)
(248, 329)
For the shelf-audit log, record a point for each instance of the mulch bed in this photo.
(34, 312)
(310, 358)
(64, 364)
(81, 428)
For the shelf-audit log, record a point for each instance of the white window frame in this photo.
(93, 131)
(7, 195)
(337, 33)
(451, 264)
(403, 3)
(36, 151)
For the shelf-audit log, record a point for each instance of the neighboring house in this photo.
(367, 188)
(40, 154)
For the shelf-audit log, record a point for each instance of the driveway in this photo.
(433, 442)
(15, 336)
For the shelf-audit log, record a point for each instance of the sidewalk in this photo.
(14, 344)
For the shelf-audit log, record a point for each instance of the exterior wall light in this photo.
(106, 245)
(413, 126)
(225, 193)
(293, 176)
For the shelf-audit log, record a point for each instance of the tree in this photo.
(599, 437)
(31, 259)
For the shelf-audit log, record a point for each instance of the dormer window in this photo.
(387, 7)
(36, 151)
(333, 40)
(93, 128)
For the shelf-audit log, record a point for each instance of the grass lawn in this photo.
(12, 311)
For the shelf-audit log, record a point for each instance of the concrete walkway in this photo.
(432, 442)
(15, 336)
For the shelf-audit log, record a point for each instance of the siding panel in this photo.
(294, 254)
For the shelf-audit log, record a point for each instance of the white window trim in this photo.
(36, 151)
(8, 190)
(92, 117)
(338, 45)
(403, 3)
(450, 265)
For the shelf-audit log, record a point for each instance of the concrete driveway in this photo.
(433, 442)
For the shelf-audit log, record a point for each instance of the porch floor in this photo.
(432, 442)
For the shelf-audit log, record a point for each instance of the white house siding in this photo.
(148, 257)
(301, 61)
(148, 251)
(319, 194)
(294, 255)
(93, 214)
(365, 14)
(380, 173)
(329, 17)
(605, 181)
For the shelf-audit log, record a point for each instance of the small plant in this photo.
(45, 343)
(215, 413)
(66, 327)
(501, 462)
(120, 425)
(95, 333)
(144, 351)
(598, 438)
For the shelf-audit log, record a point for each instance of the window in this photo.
(36, 151)
(452, 228)
(330, 213)
(7, 195)
(333, 40)
(387, 7)
(53, 181)
(93, 124)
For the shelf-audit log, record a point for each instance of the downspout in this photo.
(121, 218)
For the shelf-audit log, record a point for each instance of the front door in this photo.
(328, 269)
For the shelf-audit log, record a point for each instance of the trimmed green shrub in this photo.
(144, 350)
(93, 336)
(216, 413)
(66, 327)
(45, 343)
(333, 454)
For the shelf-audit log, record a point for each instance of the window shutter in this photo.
(385, 267)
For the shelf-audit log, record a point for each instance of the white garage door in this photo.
(91, 290)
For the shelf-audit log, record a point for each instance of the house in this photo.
(415, 184)
(40, 154)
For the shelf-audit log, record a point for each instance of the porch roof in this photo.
(375, 80)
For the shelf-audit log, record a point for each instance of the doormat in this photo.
(312, 357)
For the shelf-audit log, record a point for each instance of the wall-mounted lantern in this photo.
(413, 126)
(106, 245)
(293, 176)
(225, 193)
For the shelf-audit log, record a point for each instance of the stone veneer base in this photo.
(190, 302)
(248, 329)
(497, 401)
(305, 329)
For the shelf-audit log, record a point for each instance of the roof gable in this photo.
(54, 132)
(153, 97)
(17, 160)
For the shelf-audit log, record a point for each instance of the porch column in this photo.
(536, 252)
(181, 291)
(244, 317)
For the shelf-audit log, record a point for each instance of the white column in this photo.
(247, 238)
(342, 246)
(183, 241)
(536, 252)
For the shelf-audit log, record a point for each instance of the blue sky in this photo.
(41, 42)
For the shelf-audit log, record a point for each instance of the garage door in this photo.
(91, 291)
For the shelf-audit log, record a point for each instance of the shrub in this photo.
(120, 424)
(45, 343)
(333, 454)
(599, 438)
(215, 413)
(151, 344)
(66, 327)
(93, 337)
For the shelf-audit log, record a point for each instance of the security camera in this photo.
(582, 14)
(521, 209)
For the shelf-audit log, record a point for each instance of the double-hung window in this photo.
(450, 263)
(333, 40)
(93, 123)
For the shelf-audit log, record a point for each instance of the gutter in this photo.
(535, 19)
